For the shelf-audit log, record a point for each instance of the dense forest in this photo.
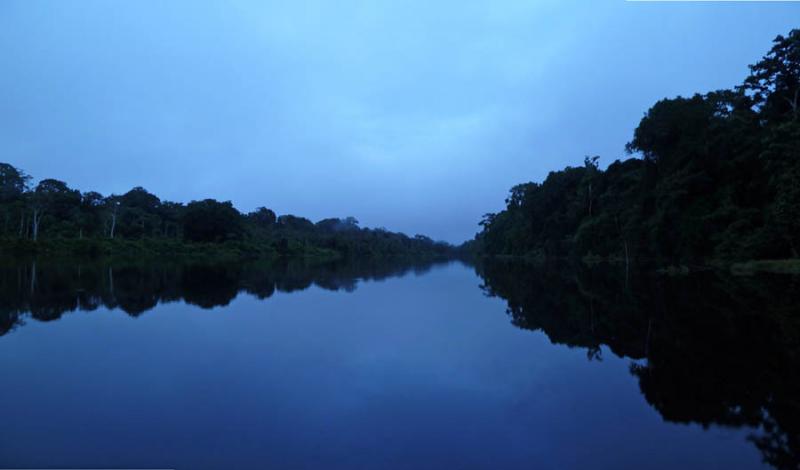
(711, 177)
(51, 217)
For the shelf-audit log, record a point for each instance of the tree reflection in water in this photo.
(707, 348)
(46, 291)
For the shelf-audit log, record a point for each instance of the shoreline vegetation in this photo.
(712, 182)
(152, 248)
(53, 220)
(737, 268)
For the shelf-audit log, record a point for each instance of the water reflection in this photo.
(707, 348)
(45, 291)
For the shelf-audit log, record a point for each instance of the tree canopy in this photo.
(712, 176)
(51, 211)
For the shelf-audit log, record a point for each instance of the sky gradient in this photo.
(413, 116)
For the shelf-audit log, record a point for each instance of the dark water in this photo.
(401, 365)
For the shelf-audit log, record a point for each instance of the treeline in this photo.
(51, 216)
(714, 177)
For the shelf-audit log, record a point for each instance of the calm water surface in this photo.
(399, 366)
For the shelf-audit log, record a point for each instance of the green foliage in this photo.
(774, 82)
(718, 178)
(211, 221)
(13, 182)
(54, 219)
(262, 217)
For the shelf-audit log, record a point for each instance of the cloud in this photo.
(415, 115)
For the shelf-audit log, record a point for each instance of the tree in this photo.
(112, 208)
(673, 131)
(13, 182)
(785, 214)
(293, 222)
(211, 221)
(590, 180)
(54, 199)
(68, 213)
(170, 218)
(90, 217)
(140, 198)
(263, 217)
(140, 213)
(350, 223)
(338, 225)
(774, 81)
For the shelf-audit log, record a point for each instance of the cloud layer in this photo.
(417, 116)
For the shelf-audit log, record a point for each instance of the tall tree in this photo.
(774, 81)
(211, 221)
(13, 182)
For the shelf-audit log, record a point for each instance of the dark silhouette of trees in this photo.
(717, 179)
(774, 82)
(54, 203)
(211, 221)
(63, 220)
(263, 217)
(139, 214)
(13, 182)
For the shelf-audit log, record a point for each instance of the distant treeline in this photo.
(715, 177)
(52, 217)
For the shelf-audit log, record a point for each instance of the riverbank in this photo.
(155, 249)
(152, 249)
(739, 268)
(779, 266)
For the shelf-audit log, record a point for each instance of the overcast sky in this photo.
(417, 115)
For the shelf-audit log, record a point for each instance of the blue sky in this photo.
(417, 116)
